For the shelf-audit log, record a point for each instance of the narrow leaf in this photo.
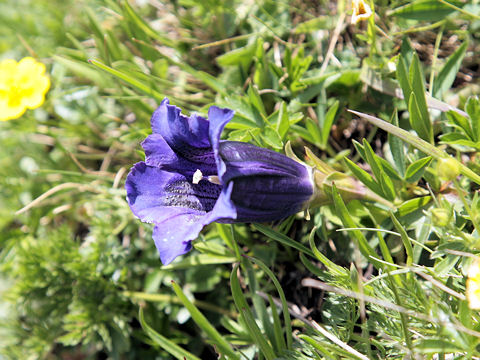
(167, 345)
(222, 345)
(447, 74)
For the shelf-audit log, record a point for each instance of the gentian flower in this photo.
(191, 178)
(23, 86)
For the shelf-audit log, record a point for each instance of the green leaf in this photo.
(415, 170)
(199, 259)
(437, 346)
(256, 100)
(387, 186)
(397, 148)
(403, 80)
(417, 122)
(364, 177)
(330, 265)
(371, 159)
(460, 122)
(222, 345)
(356, 235)
(473, 109)
(244, 310)
(447, 74)
(283, 239)
(272, 138)
(129, 80)
(239, 56)
(313, 130)
(283, 123)
(425, 10)
(405, 240)
(167, 345)
(383, 180)
(417, 82)
(413, 204)
(281, 294)
(326, 124)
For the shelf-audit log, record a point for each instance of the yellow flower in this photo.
(473, 285)
(361, 11)
(23, 86)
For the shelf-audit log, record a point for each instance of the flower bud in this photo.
(448, 169)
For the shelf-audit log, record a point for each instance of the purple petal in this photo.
(268, 186)
(174, 237)
(155, 195)
(178, 130)
(218, 119)
(243, 159)
(159, 154)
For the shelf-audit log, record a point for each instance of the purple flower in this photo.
(190, 178)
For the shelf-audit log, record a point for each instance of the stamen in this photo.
(214, 179)
(197, 176)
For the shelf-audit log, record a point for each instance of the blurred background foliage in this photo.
(76, 266)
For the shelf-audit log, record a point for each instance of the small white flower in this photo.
(361, 11)
(473, 285)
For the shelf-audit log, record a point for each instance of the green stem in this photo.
(417, 142)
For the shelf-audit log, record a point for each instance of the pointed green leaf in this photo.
(356, 235)
(447, 74)
(326, 124)
(406, 241)
(403, 80)
(244, 310)
(222, 345)
(397, 148)
(364, 177)
(167, 345)
(415, 170)
(417, 122)
(283, 123)
(425, 10)
(473, 109)
(283, 239)
(417, 82)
